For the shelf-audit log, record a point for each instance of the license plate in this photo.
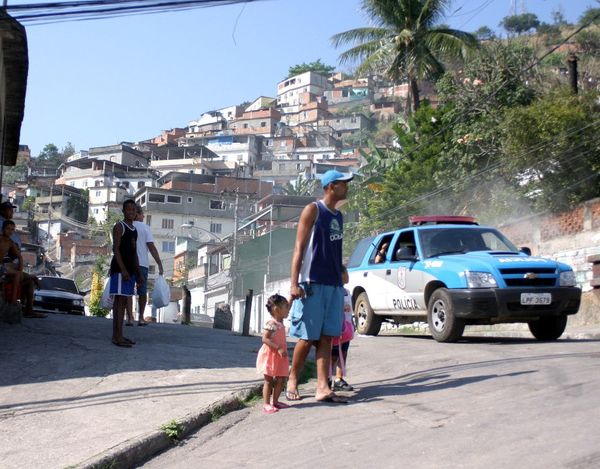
(536, 298)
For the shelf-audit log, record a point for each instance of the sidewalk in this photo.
(69, 398)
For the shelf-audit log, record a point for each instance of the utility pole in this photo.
(234, 249)
(572, 63)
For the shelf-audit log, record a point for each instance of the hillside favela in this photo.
(465, 166)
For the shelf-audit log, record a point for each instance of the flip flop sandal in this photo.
(292, 396)
(129, 324)
(333, 399)
(281, 405)
(269, 409)
(121, 344)
(129, 341)
(142, 324)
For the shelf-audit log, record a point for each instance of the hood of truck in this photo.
(487, 261)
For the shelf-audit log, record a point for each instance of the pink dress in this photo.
(268, 361)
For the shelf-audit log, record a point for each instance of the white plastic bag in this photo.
(161, 295)
(106, 300)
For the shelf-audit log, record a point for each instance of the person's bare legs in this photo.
(119, 305)
(323, 356)
(129, 310)
(298, 358)
(277, 388)
(267, 390)
(142, 300)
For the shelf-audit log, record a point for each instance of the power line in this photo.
(100, 9)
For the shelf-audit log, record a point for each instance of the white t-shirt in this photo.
(144, 236)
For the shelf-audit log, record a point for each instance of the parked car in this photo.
(452, 272)
(58, 295)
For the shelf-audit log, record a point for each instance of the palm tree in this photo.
(406, 42)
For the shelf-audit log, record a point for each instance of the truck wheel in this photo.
(550, 328)
(443, 324)
(367, 322)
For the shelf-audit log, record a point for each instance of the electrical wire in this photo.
(101, 9)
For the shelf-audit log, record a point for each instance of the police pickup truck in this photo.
(454, 272)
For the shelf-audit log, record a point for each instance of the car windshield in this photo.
(59, 284)
(440, 241)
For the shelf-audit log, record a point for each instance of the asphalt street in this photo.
(70, 398)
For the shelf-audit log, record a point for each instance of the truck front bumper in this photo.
(498, 305)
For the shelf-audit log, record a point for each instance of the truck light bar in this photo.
(441, 219)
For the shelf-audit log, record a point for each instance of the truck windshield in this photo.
(460, 240)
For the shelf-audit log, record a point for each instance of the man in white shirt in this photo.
(145, 243)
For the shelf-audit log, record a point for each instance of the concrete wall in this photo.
(569, 237)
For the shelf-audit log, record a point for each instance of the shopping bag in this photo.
(106, 300)
(161, 295)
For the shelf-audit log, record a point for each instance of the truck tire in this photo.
(443, 324)
(550, 328)
(367, 322)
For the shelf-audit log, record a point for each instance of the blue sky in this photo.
(97, 83)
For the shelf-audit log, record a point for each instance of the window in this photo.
(245, 126)
(215, 228)
(190, 200)
(168, 223)
(141, 184)
(168, 246)
(156, 198)
(125, 184)
(148, 219)
(263, 124)
(151, 269)
(96, 211)
(216, 205)
(97, 183)
(142, 200)
(174, 199)
(98, 193)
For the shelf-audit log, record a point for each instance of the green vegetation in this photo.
(173, 430)
(317, 66)
(407, 43)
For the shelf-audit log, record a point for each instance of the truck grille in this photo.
(529, 277)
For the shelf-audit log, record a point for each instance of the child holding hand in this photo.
(272, 360)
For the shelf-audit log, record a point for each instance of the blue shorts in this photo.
(320, 312)
(120, 287)
(143, 288)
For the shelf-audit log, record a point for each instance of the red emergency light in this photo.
(441, 220)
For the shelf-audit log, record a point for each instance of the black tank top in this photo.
(127, 248)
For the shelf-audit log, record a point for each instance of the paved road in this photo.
(486, 402)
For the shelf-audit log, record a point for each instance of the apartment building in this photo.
(292, 91)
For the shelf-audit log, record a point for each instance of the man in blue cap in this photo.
(316, 284)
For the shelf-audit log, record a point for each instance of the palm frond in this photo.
(359, 35)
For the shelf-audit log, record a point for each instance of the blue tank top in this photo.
(322, 258)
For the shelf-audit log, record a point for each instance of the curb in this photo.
(138, 450)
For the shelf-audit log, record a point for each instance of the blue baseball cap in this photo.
(333, 176)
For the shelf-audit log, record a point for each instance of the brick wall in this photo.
(570, 237)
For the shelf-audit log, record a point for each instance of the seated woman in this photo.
(9, 251)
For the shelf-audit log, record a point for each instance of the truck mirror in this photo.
(405, 254)
(526, 250)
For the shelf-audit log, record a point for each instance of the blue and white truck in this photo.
(452, 272)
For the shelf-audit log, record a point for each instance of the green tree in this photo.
(405, 44)
(317, 66)
(553, 148)
(484, 34)
(589, 42)
(519, 24)
(18, 172)
(301, 186)
(590, 15)
(52, 156)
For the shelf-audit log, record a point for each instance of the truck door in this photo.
(406, 296)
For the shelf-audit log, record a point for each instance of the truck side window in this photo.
(380, 254)
(405, 246)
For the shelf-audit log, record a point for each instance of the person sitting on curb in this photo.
(8, 252)
(28, 282)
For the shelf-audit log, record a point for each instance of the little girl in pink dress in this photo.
(272, 360)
